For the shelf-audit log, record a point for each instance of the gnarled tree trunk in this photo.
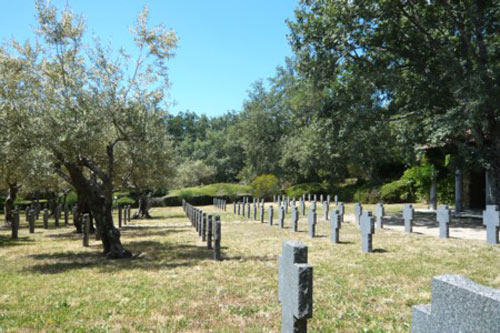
(144, 207)
(9, 203)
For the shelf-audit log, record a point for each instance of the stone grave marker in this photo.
(209, 231)
(491, 219)
(379, 215)
(217, 238)
(204, 220)
(281, 217)
(255, 211)
(15, 224)
(302, 207)
(408, 213)
(295, 218)
(458, 305)
(312, 222)
(367, 230)
(295, 287)
(326, 210)
(341, 209)
(261, 213)
(270, 213)
(443, 216)
(335, 224)
(31, 221)
(358, 210)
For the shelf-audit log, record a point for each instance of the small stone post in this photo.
(335, 224)
(367, 229)
(15, 224)
(281, 217)
(312, 222)
(408, 213)
(491, 219)
(270, 213)
(31, 221)
(443, 216)
(379, 215)
(295, 218)
(209, 231)
(217, 238)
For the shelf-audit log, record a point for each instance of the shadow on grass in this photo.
(379, 251)
(6, 241)
(424, 220)
(148, 255)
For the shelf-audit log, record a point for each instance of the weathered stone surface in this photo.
(217, 238)
(281, 217)
(326, 210)
(443, 216)
(261, 213)
(295, 287)
(458, 305)
(204, 221)
(335, 224)
(31, 221)
(408, 213)
(270, 215)
(302, 207)
(312, 222)
(295, 218)
(379, 215)
(491, 219)
(341, 209)
(209, 231)
(367, 229)
(358, 210)
(15, 224)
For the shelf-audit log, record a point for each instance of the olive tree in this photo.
(91, 100)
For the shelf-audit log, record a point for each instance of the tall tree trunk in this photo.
(99, 198)
(144, 207)
(9, 203)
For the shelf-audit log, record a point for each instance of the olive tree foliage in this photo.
(193, 173)
(15, 145)
(89, 101)
(431, 66)
(147, 166)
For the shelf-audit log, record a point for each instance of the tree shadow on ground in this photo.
(148, 255)
(429, 222)
(6, 241)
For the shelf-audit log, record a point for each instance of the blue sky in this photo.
(225, 45)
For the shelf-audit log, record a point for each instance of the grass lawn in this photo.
(49, 282)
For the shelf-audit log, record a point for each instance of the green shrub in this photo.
(124, 201)
(219, 190)
(397, 191)
(367, 194)
(71, 199)
(305, 188)
(419, 178)
(265, 186)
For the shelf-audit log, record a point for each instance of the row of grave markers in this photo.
(476, 309)
(458, 304)
(123, 215)
(207, 226)
(220, 203)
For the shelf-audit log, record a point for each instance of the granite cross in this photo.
(295, 287)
